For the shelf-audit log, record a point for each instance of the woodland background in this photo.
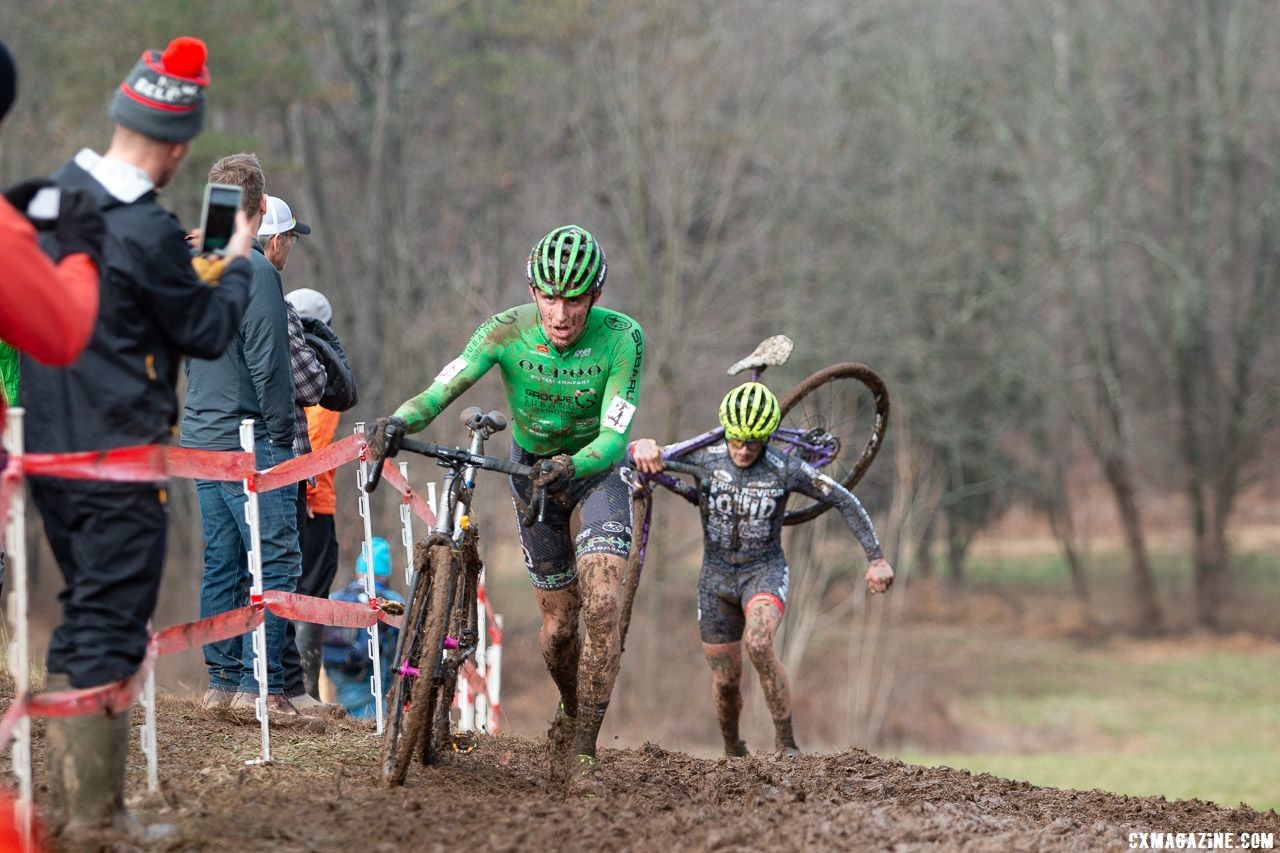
(1050, 225)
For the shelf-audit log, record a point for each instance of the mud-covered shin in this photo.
(784, 739)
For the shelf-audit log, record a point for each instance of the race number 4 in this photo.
(619, 414)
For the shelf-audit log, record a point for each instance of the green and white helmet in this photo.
(567, 262)
(750, 412)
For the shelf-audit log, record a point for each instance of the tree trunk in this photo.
(1120, 479)
(957, 547)
(1212, 562)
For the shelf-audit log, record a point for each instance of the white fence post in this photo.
(147, 731)
(406, 534)
(252, 518)
(493, 679)
(366, 548)
(482, 654)
(20, 648)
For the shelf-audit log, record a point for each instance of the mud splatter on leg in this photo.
(561, 646)
(725, 660)
(763, 618)
(600, 580)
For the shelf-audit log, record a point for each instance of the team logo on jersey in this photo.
(582, 353)
(543, 348)
(613, 527)
(722, 476)
(506, 319)
(617, 323)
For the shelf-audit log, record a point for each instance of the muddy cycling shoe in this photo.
(737, 749)
(585, 781)
(560, 745)
(784, 739)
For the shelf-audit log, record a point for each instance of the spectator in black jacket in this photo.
(252, 379)
(109, 538)
(320, 543)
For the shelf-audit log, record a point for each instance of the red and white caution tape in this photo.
(119, 696)
(141, 464)
(392, 476)
(309, 465)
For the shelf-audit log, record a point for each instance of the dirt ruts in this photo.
(322, 794)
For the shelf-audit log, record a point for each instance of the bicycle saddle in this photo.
(771, 352)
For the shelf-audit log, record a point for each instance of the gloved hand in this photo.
(879, 576)
(20, 195)
(209, 269)
(80, 226)
(554, 473)
(384, 436)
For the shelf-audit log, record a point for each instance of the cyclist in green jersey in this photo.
(572, 376)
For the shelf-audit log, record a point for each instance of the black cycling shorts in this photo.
(725, 591)
(550, 552)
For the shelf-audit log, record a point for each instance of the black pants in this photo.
(109, 542)
(319, 568)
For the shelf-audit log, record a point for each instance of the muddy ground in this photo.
(321, 794)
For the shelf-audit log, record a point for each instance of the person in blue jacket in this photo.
(345, 651)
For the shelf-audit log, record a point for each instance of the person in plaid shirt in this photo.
(277, 234)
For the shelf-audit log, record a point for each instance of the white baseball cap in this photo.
(279, 219)
(310, 303)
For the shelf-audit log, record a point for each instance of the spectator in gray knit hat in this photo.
(109, 538)
(163, 96)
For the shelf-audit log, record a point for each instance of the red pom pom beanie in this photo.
(163, 97)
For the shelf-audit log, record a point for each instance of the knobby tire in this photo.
(462, 616)
(417, 721)
(845, 470)
(408, 648)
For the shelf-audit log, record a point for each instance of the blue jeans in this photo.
(226, 569)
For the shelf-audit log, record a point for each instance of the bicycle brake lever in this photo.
(539, 500)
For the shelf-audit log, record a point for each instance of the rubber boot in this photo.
(55, 682)
(86, 772)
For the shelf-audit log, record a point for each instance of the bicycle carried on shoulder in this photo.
(439, 631)
(835, 419)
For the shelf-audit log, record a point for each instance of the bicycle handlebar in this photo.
(458, 456)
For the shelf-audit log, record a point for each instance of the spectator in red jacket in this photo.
(47, 308)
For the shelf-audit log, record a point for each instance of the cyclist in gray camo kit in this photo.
(742, 588)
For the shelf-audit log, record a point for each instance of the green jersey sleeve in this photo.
(480, 354)
(620, 399)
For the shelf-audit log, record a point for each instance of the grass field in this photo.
(1187, 716)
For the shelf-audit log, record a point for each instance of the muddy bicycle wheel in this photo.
(835, 420)
(397, 751)
(462, 626)
(408, 651)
